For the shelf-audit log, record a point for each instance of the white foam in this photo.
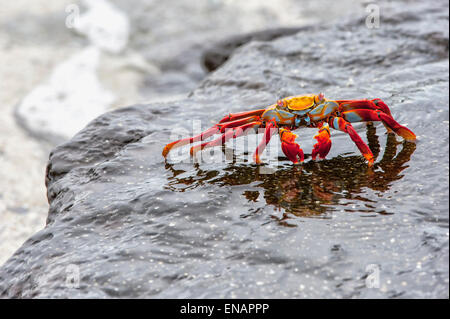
(104, 25)
(69, 99)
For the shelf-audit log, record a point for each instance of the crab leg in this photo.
(237, 123)
(362, 115)
(323, 145)
(237, 116)
(375, 104)
(238, 120)
(229, 133)
(339, 123)
(218, 128)
(202, 136)
(270, 129)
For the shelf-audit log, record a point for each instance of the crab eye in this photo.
(280, 103)
(321, 97)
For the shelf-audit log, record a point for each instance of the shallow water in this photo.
(318, 229)
(314, 189)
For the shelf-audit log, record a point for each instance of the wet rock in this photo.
(218, 53)
(123, 223)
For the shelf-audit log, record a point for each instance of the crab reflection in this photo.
(312, 189)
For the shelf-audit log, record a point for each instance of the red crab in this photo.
(294, 112)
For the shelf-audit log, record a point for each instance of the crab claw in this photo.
(291, 149)
(323, 145)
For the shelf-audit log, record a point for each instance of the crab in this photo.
(294, 112)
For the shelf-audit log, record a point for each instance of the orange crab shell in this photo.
(300, 103)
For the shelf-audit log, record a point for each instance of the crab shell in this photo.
(300, 103)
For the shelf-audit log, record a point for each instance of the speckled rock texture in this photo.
(219, 52)
(129, 225)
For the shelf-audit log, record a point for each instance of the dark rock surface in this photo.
(218, 53)
(135, 226)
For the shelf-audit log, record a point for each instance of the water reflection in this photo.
(313, 189)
